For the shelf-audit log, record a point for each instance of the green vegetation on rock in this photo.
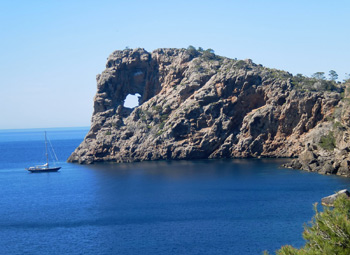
(328, 232)
(317, 82)
(333, 76)
(327, 142)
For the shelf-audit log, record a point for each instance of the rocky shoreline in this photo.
(330, 153)
(195, 105)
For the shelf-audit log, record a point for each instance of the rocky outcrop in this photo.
(197, 105)
(329, 151)
(329, 201)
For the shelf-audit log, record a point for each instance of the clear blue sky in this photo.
(51, 50)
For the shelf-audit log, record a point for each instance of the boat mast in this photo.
(46, 153)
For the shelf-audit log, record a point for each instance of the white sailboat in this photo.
(45, 167)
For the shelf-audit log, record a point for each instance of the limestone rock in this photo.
(196, 106)
(329, 145)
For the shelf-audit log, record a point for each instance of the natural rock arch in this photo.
(127, 73)
(131, 101)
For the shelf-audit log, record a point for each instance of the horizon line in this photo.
(43, 128)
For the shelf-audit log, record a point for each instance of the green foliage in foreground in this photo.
(328, 232)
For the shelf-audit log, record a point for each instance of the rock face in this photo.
(197, 105)
(329, 152)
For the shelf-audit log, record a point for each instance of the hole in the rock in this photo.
(132, 101)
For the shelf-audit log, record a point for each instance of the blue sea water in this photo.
(163, 207)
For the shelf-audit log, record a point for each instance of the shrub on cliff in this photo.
(208, 54)
(328, 233)
(319, 76)
(328, 142)
(347, 78)
(192, 51)
(333, 76)
(310, 84)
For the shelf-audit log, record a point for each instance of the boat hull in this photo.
(43, 170)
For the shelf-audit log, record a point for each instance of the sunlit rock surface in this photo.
(197, 105)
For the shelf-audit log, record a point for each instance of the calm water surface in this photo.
(177, 207)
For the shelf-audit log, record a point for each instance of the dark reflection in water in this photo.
(186, 168)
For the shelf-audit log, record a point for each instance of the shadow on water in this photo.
(190, 168)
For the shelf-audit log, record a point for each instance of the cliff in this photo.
(195, 105)
(329, 152)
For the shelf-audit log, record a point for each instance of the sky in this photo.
(52, 50)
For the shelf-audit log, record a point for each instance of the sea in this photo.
(233, 206)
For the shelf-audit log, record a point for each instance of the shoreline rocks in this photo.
(329, 201)
(329, 152)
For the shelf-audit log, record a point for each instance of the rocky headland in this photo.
(196, 105)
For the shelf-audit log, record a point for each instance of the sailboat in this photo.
(45, 167)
